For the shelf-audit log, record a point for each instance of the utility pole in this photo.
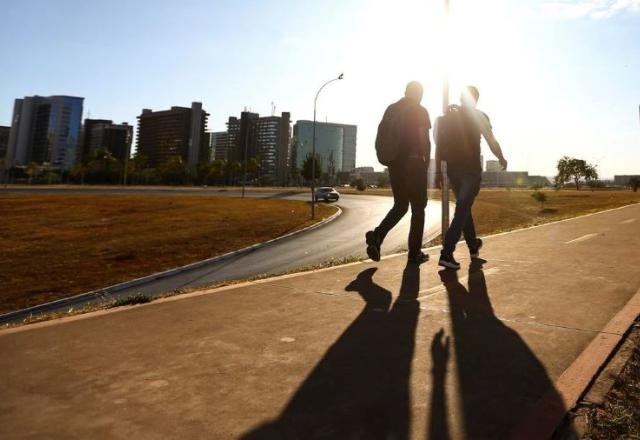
(445, 107)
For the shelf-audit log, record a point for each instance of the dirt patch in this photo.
(54, 246)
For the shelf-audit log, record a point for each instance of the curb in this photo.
(101, 294)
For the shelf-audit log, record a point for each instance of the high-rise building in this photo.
(45, 129)
(335, 145)
(103, 133)
(4, 140)
(265, 138)
(219, 145)
(179, 132)
(272, 145)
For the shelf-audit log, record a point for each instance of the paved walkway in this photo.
(344, 353)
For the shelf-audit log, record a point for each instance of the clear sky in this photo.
(556, 77)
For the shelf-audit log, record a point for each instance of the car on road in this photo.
(327, 194)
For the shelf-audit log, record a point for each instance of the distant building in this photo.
(272, 135)
(219, 145)
(103, 133)
(4, 141)
(265, 138)
(45, 129)
(623, 180)
(335, 145)
(505, 178)
(179, 131)
(482, 163)
(493, 166)
(539, 181)
(370, 177)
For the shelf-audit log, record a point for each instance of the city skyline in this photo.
(562, 83)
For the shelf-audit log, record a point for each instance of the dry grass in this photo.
(54, 246)
(502, 210)
(619, 416)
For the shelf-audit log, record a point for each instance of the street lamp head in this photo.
(341, 76)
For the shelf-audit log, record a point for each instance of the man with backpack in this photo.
(457, 135)
(403, 145)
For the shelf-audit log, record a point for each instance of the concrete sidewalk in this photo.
(363, 351)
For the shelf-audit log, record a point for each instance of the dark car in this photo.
(327, 194)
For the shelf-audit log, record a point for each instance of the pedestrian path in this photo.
(361, 351)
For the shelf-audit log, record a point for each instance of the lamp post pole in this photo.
(445, 107)
(313, 147)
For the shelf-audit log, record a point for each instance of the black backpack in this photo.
(454, 135)
(390, 133)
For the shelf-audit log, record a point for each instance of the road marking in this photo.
(583, 238)
(626, 222)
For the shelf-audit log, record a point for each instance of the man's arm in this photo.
(487, 132)
(425, 143)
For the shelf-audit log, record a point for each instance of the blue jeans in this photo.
(466, 187)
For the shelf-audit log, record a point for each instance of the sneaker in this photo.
(373, 245)
(448, 262)
(475, 252)
(418, 259)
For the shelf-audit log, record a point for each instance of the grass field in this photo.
(501, 210)
(54, 246)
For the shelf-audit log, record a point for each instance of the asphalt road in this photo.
(341, 238)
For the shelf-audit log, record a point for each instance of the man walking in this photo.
(459, 146)
(407, 173)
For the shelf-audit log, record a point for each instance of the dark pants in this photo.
(466, 187)
(409, 185)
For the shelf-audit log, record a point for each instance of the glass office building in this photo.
(46, 129)
(329, 144)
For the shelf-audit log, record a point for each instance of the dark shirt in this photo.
(476, 123)
(414, 118)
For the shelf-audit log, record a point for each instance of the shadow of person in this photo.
(360, 387)
(438, 427)
(499, 377)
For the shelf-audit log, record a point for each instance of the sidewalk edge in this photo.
(547, 413)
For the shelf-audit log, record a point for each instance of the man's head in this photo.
(414, 92)
(470, 96)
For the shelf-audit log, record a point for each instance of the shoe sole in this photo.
(448, 265)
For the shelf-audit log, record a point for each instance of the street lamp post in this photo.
(313, 148)
(445, 107)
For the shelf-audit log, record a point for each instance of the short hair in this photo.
(473, 91)
(413, 88)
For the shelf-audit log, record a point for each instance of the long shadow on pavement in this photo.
(360, 388)
(499, 377)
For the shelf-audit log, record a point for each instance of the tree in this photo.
(32, 169)
(634, 182)
(103, 167)
(383, 180)
(174, 171)
(590, 175)
(360, 184)
(570, 168)
(253, 166)
(539, 197)
(307, 167)
(216, 170)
